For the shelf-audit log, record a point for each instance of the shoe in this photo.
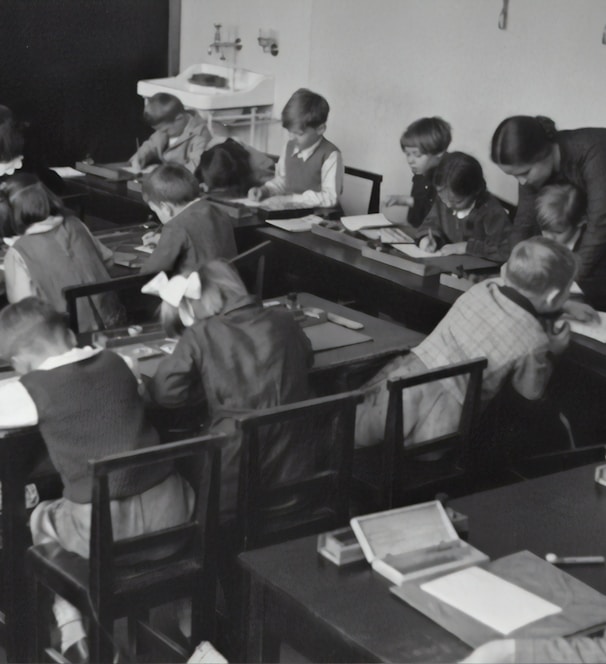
(78, 652)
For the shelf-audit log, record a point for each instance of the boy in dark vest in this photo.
(309, 172)
(86, 404)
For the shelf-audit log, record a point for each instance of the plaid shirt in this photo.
(485, 323)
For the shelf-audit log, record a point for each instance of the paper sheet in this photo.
(356, 222)
(298, 225)
(595, 331)
(487, 598)
(414, 252)
(67, 172)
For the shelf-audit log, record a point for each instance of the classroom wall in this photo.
(383, 63)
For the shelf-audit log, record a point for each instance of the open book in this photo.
(595, 331)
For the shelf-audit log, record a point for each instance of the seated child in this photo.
(309, 172)
(510, 322)
(193, 230)
(180, 136)
(233, 168)
(55, 250)
(424, 143)
(86, 404)
(465, 218)
(239, 355)
(561, 213)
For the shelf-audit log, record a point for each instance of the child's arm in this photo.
(17, 408)
(19, 284)
(397, 199)
(150, 151)
(274, 187)
(167, 252)
(196, 147)
(429, 235)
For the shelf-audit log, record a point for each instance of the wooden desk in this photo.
(347, 614)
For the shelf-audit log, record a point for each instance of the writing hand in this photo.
(580, 311)
(428, 243)
(257, 193)
(150, 238)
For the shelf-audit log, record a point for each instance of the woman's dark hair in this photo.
(226, 166)
(30, 201)
(461, 174)
(522, 139)
(11, 136)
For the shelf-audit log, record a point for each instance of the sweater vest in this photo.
(87, 410)
(306, 175)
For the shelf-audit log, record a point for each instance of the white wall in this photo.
(384, 63)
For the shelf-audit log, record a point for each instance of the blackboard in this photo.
(69, 68)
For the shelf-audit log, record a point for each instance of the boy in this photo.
(180, 136)
(561, 213)
(424, 143)
(511, 323)
(86, 404)
(194, 232)
(309, 172)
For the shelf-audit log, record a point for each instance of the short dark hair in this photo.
(11, 136)
(429, 135)
(560, 206)
(461, 174)
(170, 183)
(226, 165)
(540, 264)
(30, 201)
(30, 324)
(161, 108)
(305, 109)
(522, 139)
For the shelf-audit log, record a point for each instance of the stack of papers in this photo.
(357, 222)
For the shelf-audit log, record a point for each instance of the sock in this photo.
(69, 622)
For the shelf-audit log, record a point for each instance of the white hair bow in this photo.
(176, 291)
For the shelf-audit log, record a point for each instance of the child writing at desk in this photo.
(512, 322)
(424, 143)
(309, 172)
(87, 405)
(193, 230)
(465, 218)
(180, 136)
(53, 250)
(561, 213)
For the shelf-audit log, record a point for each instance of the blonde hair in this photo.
(560, 206)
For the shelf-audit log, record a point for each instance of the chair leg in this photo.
(133, 631)
(101, 642)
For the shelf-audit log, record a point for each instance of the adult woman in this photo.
(535, 153)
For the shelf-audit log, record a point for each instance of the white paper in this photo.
(487, 598)
(67, 172)
(592, 330)
(296, 225)
(356, 222)
(415, 252)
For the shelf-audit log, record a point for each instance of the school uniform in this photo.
(489, 320)
(59, 252)
(423, 193)
(485, 228)
(582, 164)
(312, 177)
(184, 149)
(197, 234)
(243, 359)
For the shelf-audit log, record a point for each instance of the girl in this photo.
(535, 153)
(465, 218)
(239, 355)
(54, 250)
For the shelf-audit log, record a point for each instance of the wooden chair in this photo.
(110, 585)
(374, 200)
(398, 473)
(251, 267)
(323, 428)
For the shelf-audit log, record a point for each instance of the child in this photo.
(465, 218)
(561, 213)
(309, 172)
(180, 136)
(55, 250)
(424, 143)
(511, 323)
(194, 230)
(232, 167)
(239, 355)
(86, 404)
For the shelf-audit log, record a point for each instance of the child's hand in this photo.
(395, 199)
(428, 243)
(580, 311)
(136, 164)
(456, 248)
(150, 238)
(257, 193)
(559, 336)
(501, 651)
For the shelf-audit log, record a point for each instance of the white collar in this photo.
(44, 226)
(461, 214)
(306, 154)
(69, 357)
(9, 167)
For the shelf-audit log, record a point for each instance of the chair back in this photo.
(315, 497)
(192, 560)
(251, 267)
(361, 197)
(400, 486)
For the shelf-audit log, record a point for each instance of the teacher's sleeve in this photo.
(592, 249)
